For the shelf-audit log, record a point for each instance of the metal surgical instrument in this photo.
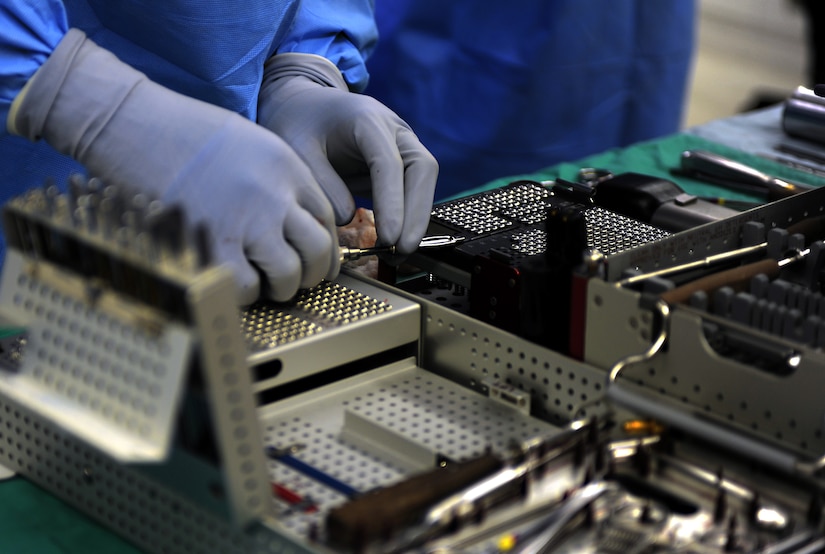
(433, 241)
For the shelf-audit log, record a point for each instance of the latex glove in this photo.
(346, 137)
(263, 207)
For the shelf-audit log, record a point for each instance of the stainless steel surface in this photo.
(524, 204)
(328, 326)
(803, 115)
(437, 241)
(403, 401)
(228, 388)
(561, 516)
(715, 238)
(704, 262)
(779, 410)
(470, 352)
(109, 368)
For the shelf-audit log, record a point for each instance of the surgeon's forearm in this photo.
(346, 36)
(31, 31)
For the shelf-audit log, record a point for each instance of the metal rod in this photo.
(704, 262)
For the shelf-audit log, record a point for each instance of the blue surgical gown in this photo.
(496, 88)
(213, 50)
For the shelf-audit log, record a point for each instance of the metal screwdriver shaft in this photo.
(349, 254)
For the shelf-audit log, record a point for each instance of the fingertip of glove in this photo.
(281, 288)
(344, 214)
(248, 293)
(406, 246)
(247, 282)
(334, 270)
(280, 294)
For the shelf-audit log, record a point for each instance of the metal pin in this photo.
(108, 217)
(138, 207)
(91, 205)
(33, 228)
(165, 225)
(87, 206)
(203, 246)
(77, 186)
(175, 224)
(94, 186)
(51, 193)
(704, 262)
(152, 224)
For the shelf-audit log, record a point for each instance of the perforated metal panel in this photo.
(268, 325)
(414, 407)
(715, 238)
(103, 353)
(328, 326)
(108, 366)
(609, 232)
(40, 436)
(526, 203)
(781, 409)
(229, 392)
(470, 352)
(688, 375)
(121, 498)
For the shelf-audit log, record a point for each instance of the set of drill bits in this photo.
(125, 241)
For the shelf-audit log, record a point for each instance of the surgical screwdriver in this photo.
(348, 254)
(737, 276)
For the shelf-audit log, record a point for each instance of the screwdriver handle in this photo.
(716, 168)
(710, 163)
(390, 509)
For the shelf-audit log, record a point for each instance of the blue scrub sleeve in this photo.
(343, 31)
(31, 31)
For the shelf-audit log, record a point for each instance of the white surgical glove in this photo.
(346, 138)
(260, 201)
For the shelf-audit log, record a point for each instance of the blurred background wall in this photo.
(749, 53)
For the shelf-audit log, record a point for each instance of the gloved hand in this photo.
(346, 137)
(260, 200)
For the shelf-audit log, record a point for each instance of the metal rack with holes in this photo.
(297, 406)
(769, 404)
(145, 399)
